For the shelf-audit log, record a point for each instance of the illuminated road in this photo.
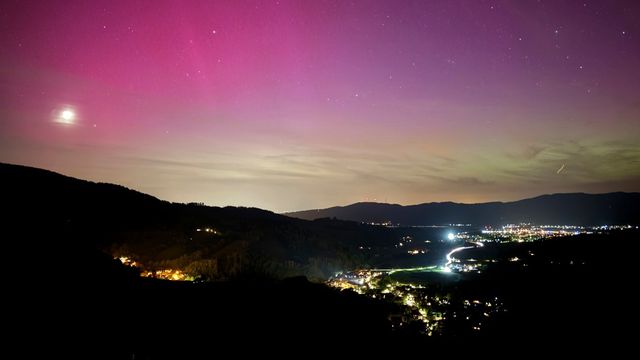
(433, 268)
(450, 258)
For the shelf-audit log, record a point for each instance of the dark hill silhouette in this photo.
(573, 208)
(58, 233)
(120, 221)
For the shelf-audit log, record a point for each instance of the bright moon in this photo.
(66, 116)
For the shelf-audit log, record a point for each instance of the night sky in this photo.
(290, 105)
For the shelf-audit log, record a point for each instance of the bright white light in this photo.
(447, 269)
(66, 116)
(450, 236)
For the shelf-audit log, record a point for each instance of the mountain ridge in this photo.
(460, 203)
(579, 209)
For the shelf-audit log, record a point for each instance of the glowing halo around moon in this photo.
(66, 116)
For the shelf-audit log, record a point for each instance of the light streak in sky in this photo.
(561, 168)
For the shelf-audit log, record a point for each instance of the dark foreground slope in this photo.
(159, 234)
(576, 291)
(575, 209)
(66, 290)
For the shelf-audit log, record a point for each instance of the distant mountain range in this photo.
(570, 208)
